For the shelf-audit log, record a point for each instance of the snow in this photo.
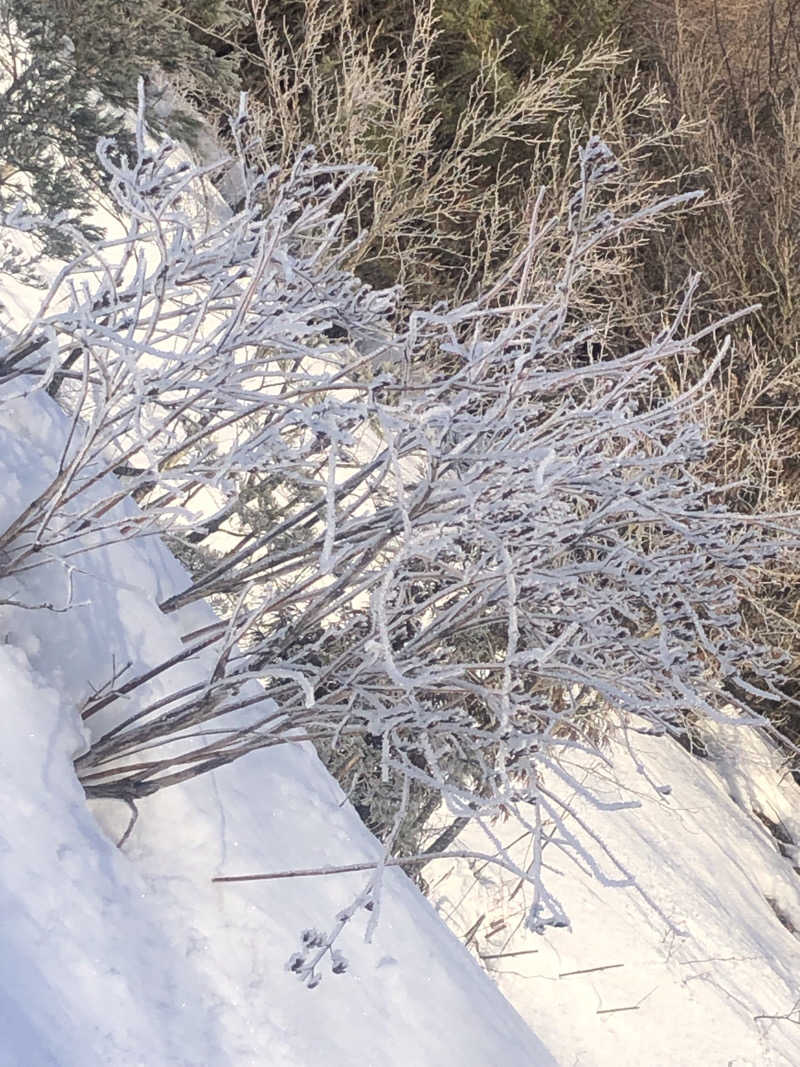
(701, 971)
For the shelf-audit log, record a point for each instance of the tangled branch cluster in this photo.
(486, 544)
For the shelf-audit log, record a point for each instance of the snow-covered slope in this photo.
(132, 956)
(698, 966)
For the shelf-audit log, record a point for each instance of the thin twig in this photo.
(591, 970)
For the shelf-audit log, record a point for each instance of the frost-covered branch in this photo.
(450, 540)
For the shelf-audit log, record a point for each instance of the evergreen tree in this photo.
(71, 71)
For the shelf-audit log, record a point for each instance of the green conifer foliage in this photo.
(69, 70)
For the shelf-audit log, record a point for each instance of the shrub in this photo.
(733, 69)
(485, 544)
(457, 155)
